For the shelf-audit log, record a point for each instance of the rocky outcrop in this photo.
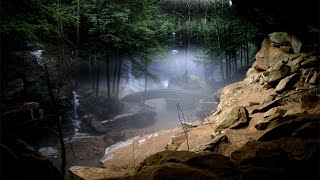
(281, 67)
(234, 117)
(285, 158)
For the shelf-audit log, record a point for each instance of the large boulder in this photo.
(269, 56)
(279, 38)
(286, 127)
(91, 121)
(185, 165)
(285, 158)
(235, 117)
(143, 118)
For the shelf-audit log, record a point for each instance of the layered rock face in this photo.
(265, 127)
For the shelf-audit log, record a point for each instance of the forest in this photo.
(78, 77)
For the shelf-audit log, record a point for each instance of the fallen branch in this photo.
(184, 127)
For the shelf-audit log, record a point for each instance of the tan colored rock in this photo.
(92, 173)
(314, 78)
(296, 44)
(298, 84)
(232, 116)
(243, 119)
(295, 64)
(250, 72)
(308, 77)
(278, 37)
(285, 83)
(249, 80)
(268, 56)
(294, 112)
(259, 66)
(293, 56)
(270, 112)
(311, 61)
(277, 75)
(262, 124)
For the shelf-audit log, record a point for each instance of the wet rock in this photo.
(91, 121)
(97, 126)
(285, 83)
(296, 44)
(140, 119)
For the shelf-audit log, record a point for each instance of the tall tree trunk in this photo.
(108, 76)
(219, 43)
(97, 77)
(145, 80)
(115, 72)
(78, 27)
(241, 56)
(118, 76)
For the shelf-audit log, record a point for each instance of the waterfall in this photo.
(76, 121)
(38, 54)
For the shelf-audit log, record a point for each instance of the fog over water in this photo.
(172, 66)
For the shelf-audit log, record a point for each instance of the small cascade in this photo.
(76, 121)
(38, 54)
